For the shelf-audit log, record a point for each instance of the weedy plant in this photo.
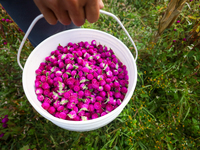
(163, 112)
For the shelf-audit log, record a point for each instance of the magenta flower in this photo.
(97, 105)
(39, 91)
(178, 21)
(20, 30)
(99, 98)
(91, 108)
(70, 105)
(103, 113)
(60, 108)
(1, 135)
(4, 43)
(107, 87)
(45, 105)
(4, 125)
(40, 97)
(7, 20)
(3, 19)
(72, 114)
(81, 113)
(51, 110)
(124, 90)
(87, 93)
(90, 76)
(94, 116)
(119, 102)
(77, 88)
(109, 107)
(45, 86)
(174, 40)
(47, 100)
(184, 39)
(175, 29)
(102, 93)
(4, 120)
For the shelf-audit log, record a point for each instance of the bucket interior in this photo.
(76, 35)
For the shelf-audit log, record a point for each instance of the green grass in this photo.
(164, 111)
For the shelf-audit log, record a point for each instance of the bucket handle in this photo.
(41, 16)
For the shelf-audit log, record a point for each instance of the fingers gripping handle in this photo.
(41, 16)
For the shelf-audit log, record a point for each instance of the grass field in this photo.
(164, 111)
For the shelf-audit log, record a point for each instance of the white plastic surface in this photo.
(76, 35)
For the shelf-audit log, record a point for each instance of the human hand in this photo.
(66, 11)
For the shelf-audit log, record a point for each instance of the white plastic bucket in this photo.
(76, 35)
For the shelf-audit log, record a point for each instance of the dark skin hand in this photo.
(66, 11)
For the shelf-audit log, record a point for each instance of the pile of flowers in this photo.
(81, 81)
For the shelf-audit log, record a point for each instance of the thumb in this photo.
(101, 5)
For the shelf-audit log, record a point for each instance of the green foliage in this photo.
(163, 112)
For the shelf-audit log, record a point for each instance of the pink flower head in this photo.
(4, 43)
(3, 19)
(81, 113)
(102, 93)
(178, 21)
(117, 95)
(107, 87)
(20, 30)
(4, 120)
(99, 98)
(51, 110)
(119, 102)
(72, 114)
(40, 97)
(103, 113)
(91, 108)
(124, 90)
(45, 105)
(47, 100)
(45, 86)
(174, 40)
(1, 135)
(70, 105)
(39, 91)
(77, 88)
(4, 125)
(62, 115)
(60, 108)
(80, 94)
(94, 116)
(56, 104)
(87, 93)
(109, 107)
(175, 29)
(7, 20)
(184, 39)
(70, 81)
(90, 76)
(97, 105)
